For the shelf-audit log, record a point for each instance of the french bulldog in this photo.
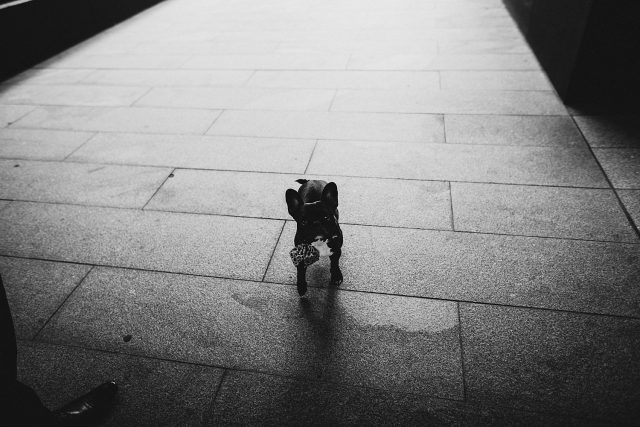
(314, 207)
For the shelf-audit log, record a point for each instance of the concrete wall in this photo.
(37, 29)
(590, 49)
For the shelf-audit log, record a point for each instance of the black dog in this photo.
(315, 208)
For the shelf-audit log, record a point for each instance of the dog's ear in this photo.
(294, 202)
(330, 195)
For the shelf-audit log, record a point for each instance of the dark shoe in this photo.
(89, 408)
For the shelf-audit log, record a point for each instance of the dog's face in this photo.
(318, 219)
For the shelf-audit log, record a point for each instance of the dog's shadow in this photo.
(322, 316)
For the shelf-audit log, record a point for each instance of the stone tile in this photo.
(570, 363)
(36, 76)
(240, 98)
(610, 131)
(525, 271)
(495, 46)
(453, 162)
(40, 144)
(225, 193)
(387, 342)
(92, 184)
(449, 102)
(331, 125)
(194, 244)
(72, 95)
(251, 398)
(495, 80)
(394, 203)
(578, 213)
(229, 153)
(35, 290)
(392, 61)
(120, 119)
(150, 392)
(206, 47)
(346, 79)
(117, 61)
(12, 113)
(512, 130)
(631, 200)
(268, 62)
(168, 77)
(418, 204)
(622, 166)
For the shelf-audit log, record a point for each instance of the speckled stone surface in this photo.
(579, 213)
(387, 342)
(72, 95)
(150, 392)
(345, 79)
(240, 98)
(551, 273)
(75, 183)
(218, 246)
(168, 77)
(252, 398)
(622, 166)
(557, 131)
(331, 125)
(39, 144)
(419, 204)
(120, 119)
(35, 290)
(200, 152)
(610, 131)
(456, 162)
(631, 200)
(449, 101)
(558, 362)
(12, 113)
(494, 80)
(398, 102)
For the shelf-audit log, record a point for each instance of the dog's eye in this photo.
(326, 219)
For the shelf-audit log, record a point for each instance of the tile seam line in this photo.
(293, 377)
(353, 224)
(381, 141)
(75, 150)
(302, 138)
(452, 218)
(357, 291)
(22, 116)
(222, 367)
(313, 150)
(80, 282)
(215, 120)
(169, 175)
(143, 95)
(212, 404)
(273, 252)
(634, 226)
(443, 180)
(295, 111)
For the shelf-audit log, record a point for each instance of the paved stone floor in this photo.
(492, 254)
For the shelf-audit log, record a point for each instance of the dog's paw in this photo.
(336, 278)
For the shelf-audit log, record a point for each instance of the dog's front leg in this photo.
(302, 279)
(336, 274)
